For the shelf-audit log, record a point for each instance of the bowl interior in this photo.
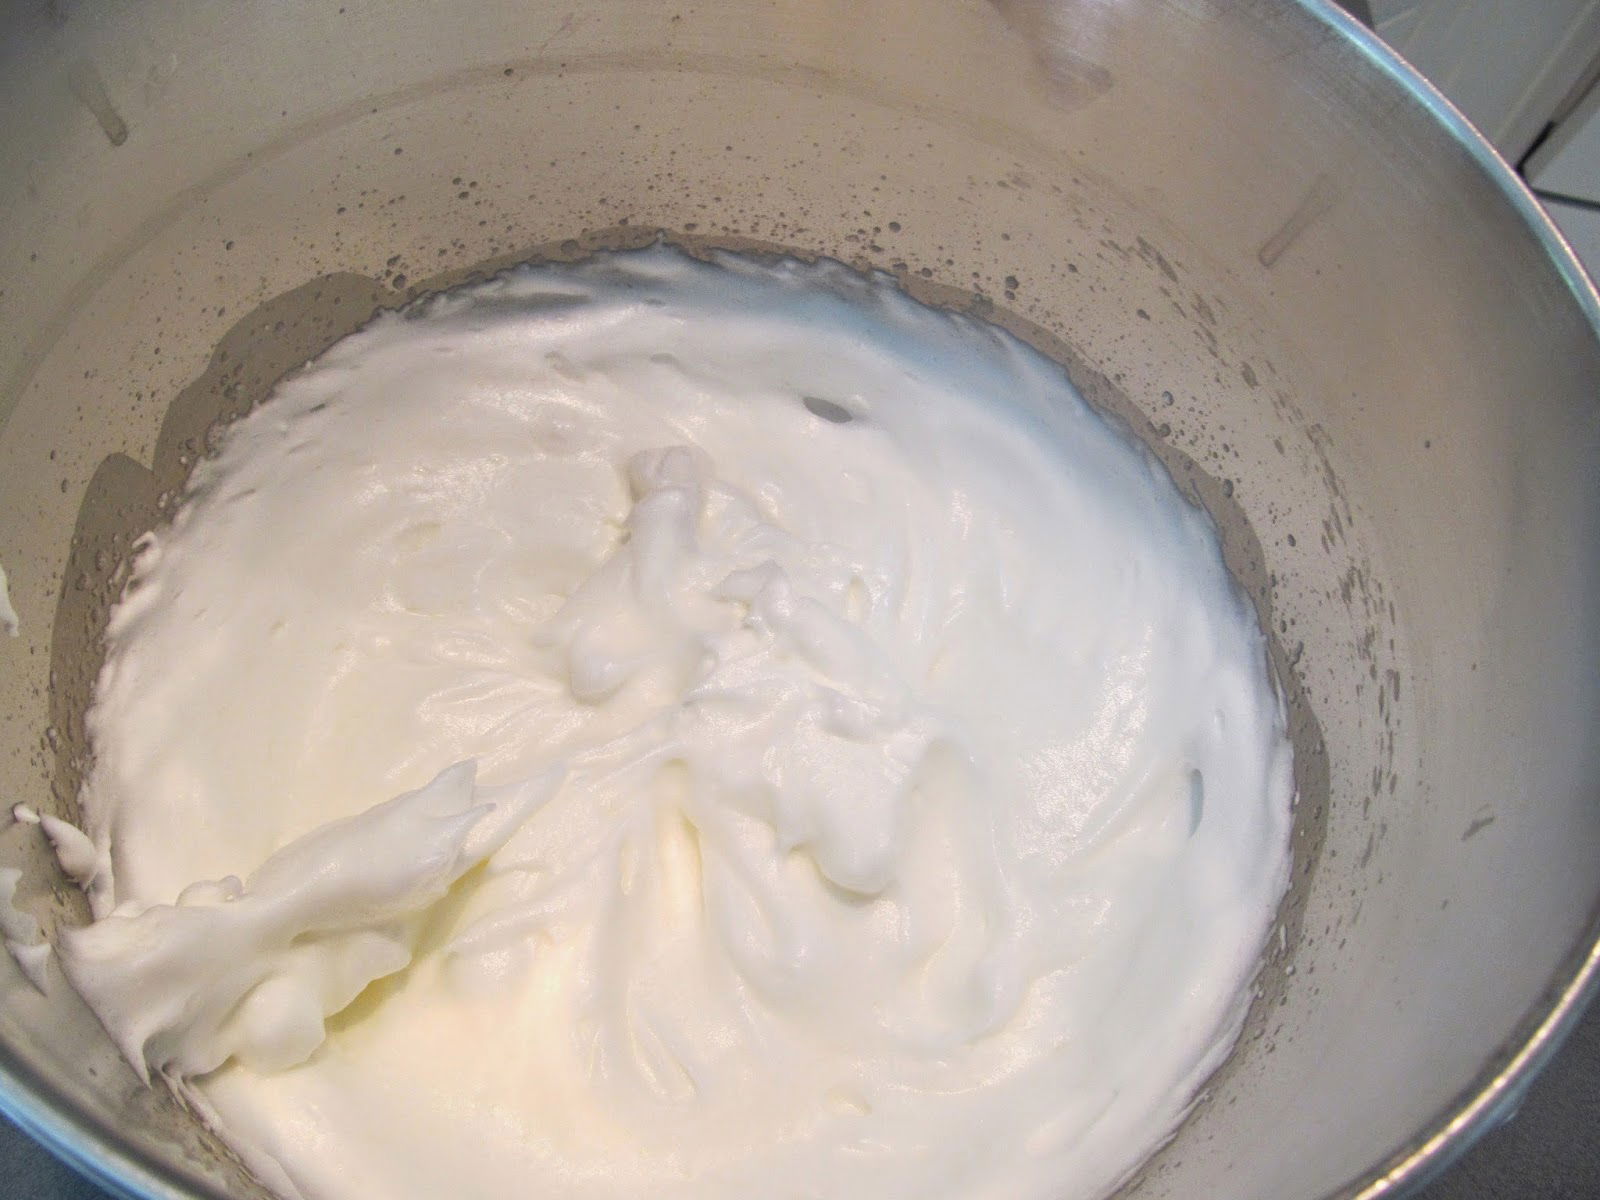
(1246, 232)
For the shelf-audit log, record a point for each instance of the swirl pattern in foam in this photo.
(854, 772)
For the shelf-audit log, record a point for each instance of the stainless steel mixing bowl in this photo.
(1243, 225)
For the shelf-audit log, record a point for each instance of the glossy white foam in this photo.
(879, 787)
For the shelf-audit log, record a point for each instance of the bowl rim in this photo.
(39, 1109)
(1495, 1094)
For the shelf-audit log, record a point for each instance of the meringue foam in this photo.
(665, 728)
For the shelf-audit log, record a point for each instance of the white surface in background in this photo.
(1581, 225)
(1569, 163)
(1507, 64)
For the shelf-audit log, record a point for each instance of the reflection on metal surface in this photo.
(1319, 199)
(90, 89)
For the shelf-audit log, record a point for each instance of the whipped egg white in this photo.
(664, 728)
